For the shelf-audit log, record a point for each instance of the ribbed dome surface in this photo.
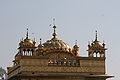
(28, 41)
(56, 44)
(97, 44)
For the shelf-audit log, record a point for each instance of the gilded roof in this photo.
(55, 43)
(96, 44)
(27, 42)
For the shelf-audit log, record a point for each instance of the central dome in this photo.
(55, 44)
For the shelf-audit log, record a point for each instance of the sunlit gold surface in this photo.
(55, 60)
(56, 44)
(27, 42)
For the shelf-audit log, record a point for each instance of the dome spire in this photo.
(27, 34)
(75, 48)
(54, 27)
(96, 36)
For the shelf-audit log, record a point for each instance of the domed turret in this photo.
(27, 46)
(75, 49)
(40, 49)
(96, 49)
(27, 42)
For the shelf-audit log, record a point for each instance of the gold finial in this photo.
(96, 36)
(54, 27)
(27, 34)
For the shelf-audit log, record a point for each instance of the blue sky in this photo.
(75, 20)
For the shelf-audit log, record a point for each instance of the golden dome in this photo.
(27, 42)
(96, 44)
(55, 44)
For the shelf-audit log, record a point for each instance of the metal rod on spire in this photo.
(27, 34)
(75, 42)
(54, 27)
(96, 36)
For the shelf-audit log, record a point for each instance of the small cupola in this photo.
(96, 49)
(75, 49)
(27, 46)
(27, 42)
